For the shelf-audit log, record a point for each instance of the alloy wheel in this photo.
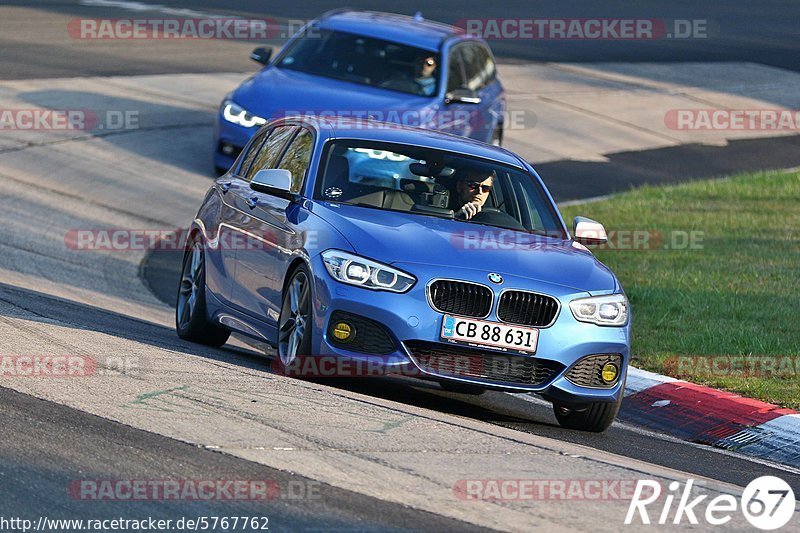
(190, 286)
(294, 318)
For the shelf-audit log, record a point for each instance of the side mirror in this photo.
(275, 181)
(587, 231)
(462, 96)
(261, 55)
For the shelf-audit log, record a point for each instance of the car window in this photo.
(488, 65)
(428, 182)
(252, 150)
(479, 66)
(455, 71)
(269, 154)
(297, 157)
(364, 60)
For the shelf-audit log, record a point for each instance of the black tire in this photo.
(191, 318)
(298, 290)
(597, 416)
(462, 388)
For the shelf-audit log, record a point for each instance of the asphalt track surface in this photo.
(46, 446)
(43, 445)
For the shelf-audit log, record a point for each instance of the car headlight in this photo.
(235, 113)
(354, 270)
(611, 310)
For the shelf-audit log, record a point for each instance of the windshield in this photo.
(364, 60)
(429, 182)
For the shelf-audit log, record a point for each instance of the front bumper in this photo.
(408, 317)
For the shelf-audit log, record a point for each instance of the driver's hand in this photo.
(469, 210)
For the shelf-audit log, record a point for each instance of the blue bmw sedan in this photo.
(410, 251)
(381, 66)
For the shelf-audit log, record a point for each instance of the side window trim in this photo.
(287, 142)
(286, 146)
(242, 172)
(300, 129)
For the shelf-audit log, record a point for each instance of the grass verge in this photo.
(712, 271)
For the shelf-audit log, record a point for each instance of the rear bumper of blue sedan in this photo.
(415, 347)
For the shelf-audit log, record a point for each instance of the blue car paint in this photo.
(244, 291)
(274, 93)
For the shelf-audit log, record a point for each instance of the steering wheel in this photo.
(487, 210)
(400, 85)
(497, 217)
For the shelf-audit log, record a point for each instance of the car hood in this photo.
(275, 93)
(394, 237)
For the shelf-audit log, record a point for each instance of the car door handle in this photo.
(252, 202)
(225, 187)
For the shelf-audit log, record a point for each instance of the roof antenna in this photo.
(418, 17)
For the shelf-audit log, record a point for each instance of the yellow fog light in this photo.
(609, 372)
(343, 331)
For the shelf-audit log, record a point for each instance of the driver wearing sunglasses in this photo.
(472, 191)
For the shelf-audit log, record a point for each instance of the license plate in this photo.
(492, 334)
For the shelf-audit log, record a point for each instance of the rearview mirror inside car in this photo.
(587, 231)
(261, 55)
(433, 169)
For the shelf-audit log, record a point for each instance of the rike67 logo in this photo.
(767, 503)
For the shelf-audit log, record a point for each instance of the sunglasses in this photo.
(474, 186)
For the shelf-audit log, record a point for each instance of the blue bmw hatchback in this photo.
(381, 66)
(407, 250)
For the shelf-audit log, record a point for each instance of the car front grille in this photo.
(527, 308)
(460, 298)
(588, 371)
(454, 361)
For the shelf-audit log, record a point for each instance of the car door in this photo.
(260, 269)
(220, 252)
(481, 76)
(239, 197)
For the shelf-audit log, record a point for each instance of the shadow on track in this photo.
(36, 306)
